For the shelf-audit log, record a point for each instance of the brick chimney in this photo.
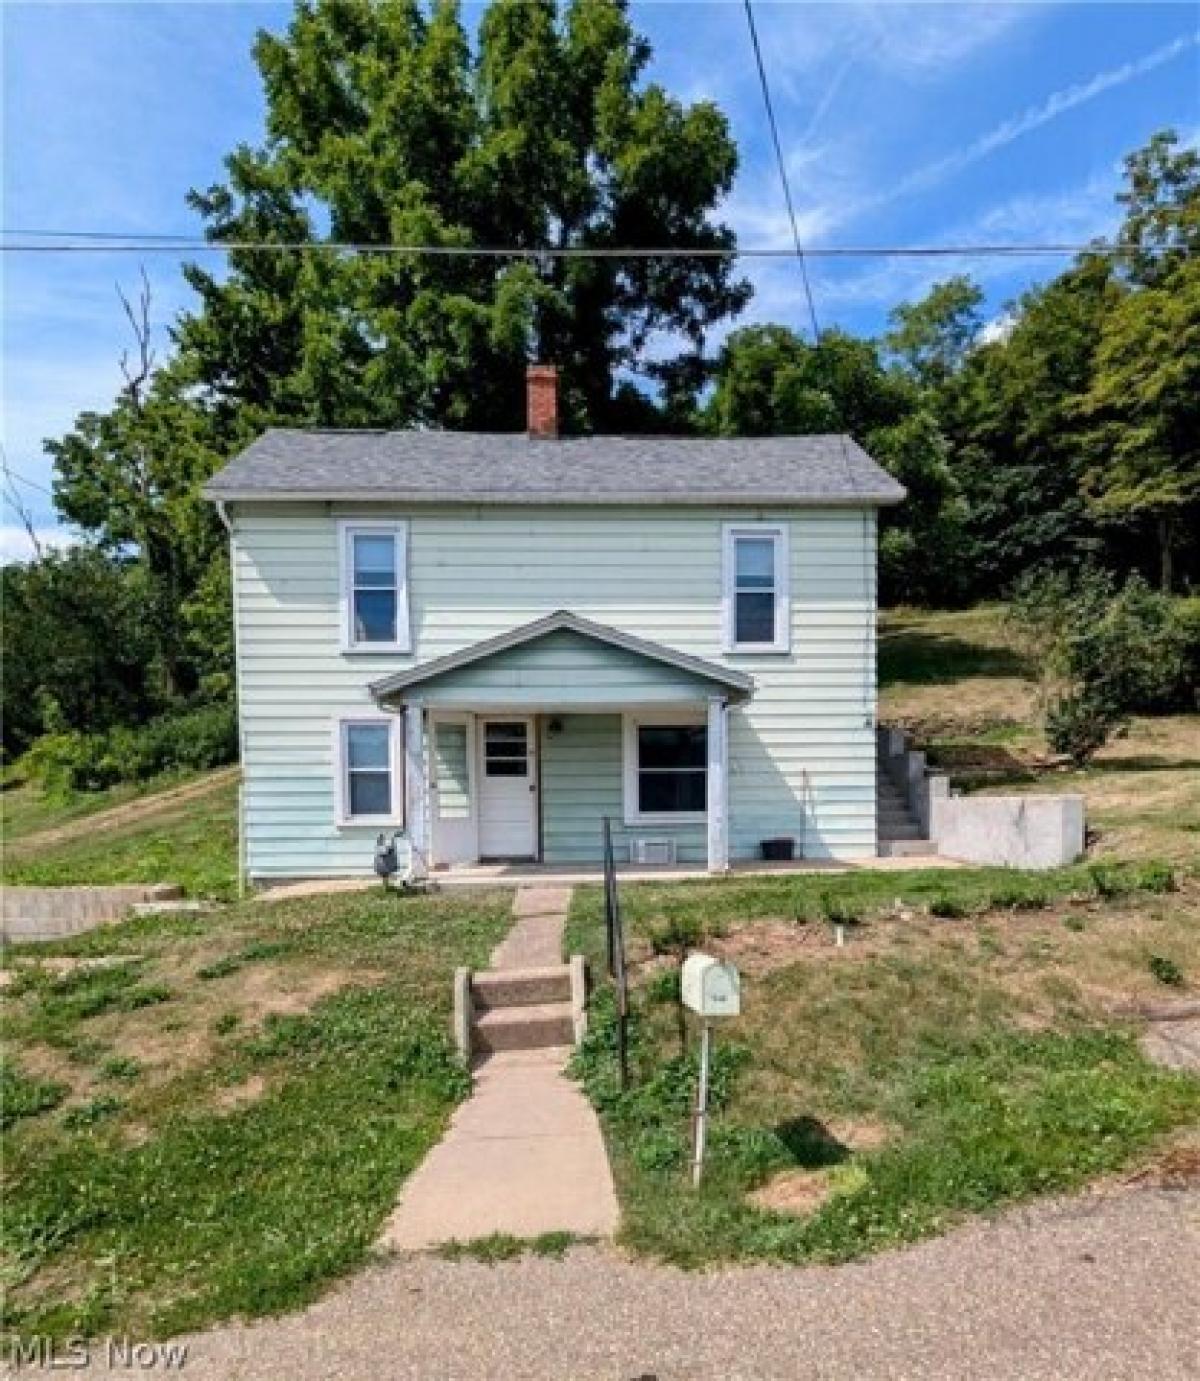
(541, 393)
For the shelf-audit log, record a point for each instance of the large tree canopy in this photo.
(385, 126)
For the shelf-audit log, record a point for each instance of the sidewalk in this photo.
(524, 1154)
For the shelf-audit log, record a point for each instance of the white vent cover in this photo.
(653, 850)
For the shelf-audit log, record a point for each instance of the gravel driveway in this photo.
(1102, 1286)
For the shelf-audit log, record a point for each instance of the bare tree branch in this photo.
(137, 372)
(17, 503)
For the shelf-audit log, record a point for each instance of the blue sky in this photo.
(927, 123)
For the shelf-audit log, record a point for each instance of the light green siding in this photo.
(564, 669)
(802, 752)
(582, 783)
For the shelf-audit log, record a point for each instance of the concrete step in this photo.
(909, 831)
(532, 1027)
(907, 848)
(501, 988)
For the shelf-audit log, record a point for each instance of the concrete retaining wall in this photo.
(1008, 831)
(1011, 831)
(56, 913)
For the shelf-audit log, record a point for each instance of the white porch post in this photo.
(416, 787)
(718, 786)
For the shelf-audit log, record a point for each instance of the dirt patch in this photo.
(241, 1095)
(796, 1192)
(860, 1134)
(171, 1038)
(132, 811)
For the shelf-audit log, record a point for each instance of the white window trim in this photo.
(341, 777)
(397, 529)
(778, 532)
(630, 724)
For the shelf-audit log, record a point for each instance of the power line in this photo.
(101, 242)
(783, 177)
(24, 479)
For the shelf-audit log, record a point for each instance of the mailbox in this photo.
(711, 987)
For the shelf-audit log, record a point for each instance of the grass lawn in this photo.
(192, 841)
(933, 1067)
(218, 1122)
(957, 681)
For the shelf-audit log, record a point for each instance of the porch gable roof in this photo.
(736, 684)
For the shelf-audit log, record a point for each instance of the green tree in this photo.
(931, 337)
(1162, 208)
(73, 645)
(1144, 402)
(131, 479)
(384, 126)
(770, 382)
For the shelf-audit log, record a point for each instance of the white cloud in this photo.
(927, 39)
(1032, 118)
(15, 544)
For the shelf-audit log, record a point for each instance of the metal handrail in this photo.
(614, 934)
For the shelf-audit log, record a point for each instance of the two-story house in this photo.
(491, 642)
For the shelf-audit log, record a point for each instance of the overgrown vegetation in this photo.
(1104, 654)
(190, 741)
(176, 1168)
(875, 1094)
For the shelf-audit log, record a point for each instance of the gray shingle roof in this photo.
(473, 467)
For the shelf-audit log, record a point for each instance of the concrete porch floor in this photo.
(567, 875)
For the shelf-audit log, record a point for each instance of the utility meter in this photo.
(711, 987)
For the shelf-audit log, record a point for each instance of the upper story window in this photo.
(374, 560)
(757, 607)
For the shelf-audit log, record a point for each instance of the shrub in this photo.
(1079, 725)
(1167, 971)
(193, 740)
(1106, 653)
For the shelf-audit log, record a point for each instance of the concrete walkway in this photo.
(524, 1154)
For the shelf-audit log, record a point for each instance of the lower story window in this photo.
(369, 790)
(666, 770)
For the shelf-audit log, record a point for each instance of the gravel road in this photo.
(1101, 1287)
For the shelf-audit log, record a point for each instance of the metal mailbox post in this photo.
(712, 988)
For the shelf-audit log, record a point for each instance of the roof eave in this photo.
(863, 499)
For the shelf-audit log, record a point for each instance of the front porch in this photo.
(517, 749)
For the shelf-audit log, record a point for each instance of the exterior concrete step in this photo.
(907, 848)
(530, 1027)
(909, 831)
(501, 988)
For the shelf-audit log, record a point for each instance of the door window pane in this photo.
(506, 749)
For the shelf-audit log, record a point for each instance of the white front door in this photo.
(452, 788)
(507, 788)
